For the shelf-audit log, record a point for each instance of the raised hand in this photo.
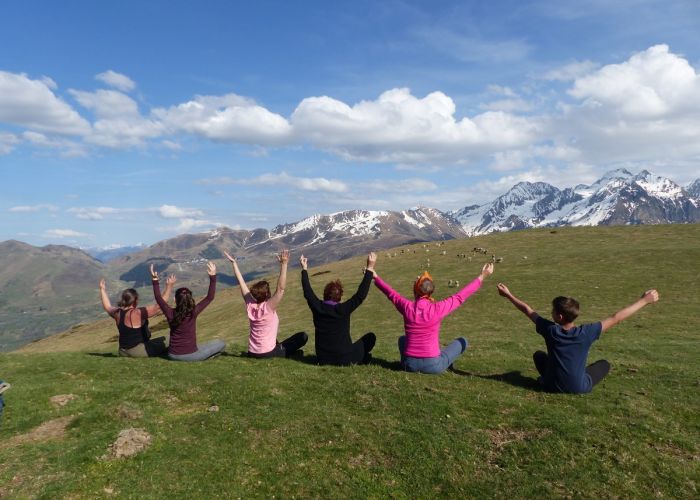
(229, 257)
(154, 273)
(171, 280)
(103, 285)
(211, 268)
(503, 290)
(650, 296)
(283, 257)
(487, 270)
(304, 262)
(371, 261)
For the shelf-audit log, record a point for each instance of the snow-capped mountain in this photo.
(693, 189)
(322, 238)
(619, 197)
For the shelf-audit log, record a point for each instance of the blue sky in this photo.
(128, 122)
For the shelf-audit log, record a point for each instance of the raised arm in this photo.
(167, 310)
(154, 309)
(648, 297)
(446, 306)
(283, 259)
(211, 271)
(106, 304)
(519, 304)
(354, 302)
(237, 272)
(309, 294)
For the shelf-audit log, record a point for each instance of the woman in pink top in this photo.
(420, 347)
(262, 314)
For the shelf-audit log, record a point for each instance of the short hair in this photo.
(260, 291)
(333, 291)
(567, 307)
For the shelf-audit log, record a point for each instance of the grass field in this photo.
(290, 428)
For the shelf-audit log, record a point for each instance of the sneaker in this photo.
(4, 386)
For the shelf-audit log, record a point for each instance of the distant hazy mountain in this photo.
(44, 290)
(619, 197)
(106, 254)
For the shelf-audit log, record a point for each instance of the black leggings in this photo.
(597, 370)
(285, 348)
(360, 353)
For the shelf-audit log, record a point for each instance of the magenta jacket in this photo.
(422, 317)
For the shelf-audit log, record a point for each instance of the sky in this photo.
(131, 122)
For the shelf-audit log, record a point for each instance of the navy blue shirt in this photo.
(567, 351)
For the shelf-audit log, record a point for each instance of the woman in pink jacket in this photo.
(420, 346)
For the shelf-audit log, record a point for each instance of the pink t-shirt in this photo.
(422, 318)
(264, 324)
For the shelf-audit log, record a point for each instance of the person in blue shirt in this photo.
(563, 367)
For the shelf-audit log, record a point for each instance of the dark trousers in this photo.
(285, 348)
(597, 370)
(360, 353)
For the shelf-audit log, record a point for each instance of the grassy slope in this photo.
(295, 429)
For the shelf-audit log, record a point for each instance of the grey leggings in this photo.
(205, 351)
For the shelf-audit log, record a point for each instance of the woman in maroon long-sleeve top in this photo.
(183, 320)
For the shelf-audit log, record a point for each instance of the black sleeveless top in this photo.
(131, 337)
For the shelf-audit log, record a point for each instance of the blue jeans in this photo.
(434, 365)
(205, 351)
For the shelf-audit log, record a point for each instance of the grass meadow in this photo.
(292, 429)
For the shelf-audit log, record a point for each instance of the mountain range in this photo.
(48, 289)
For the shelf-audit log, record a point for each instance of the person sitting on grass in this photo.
(420, 346)
(183, 320)
(3, 387)
(132, 322)
(563, 367)
(262, 314)
(334, 346)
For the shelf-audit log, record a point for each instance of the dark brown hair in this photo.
(184, 305)
(129, 298)
(567, 307)
(333, 291)
(260, 291)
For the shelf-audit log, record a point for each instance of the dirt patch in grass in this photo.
(128, 411)
(62, 399)
(500, 438)
(129, 443)
(48, 431)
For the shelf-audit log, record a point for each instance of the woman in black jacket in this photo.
(332, 319)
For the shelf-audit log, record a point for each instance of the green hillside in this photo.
(289, 428)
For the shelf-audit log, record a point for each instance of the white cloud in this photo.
(284, 179)
(173, 212)
(7, 143)
(67, 148)
(63, 233)
(227, 118)
(571, 71)
(116, 80)
(467, 48)
(645, 109)
(93, 213)
(402, 185)
(32, 104)
(399, 127)
(34, 208)
(119, 123)
(188, 224)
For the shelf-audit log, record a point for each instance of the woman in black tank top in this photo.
(132, 322)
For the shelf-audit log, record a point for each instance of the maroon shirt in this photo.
(183, 339)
